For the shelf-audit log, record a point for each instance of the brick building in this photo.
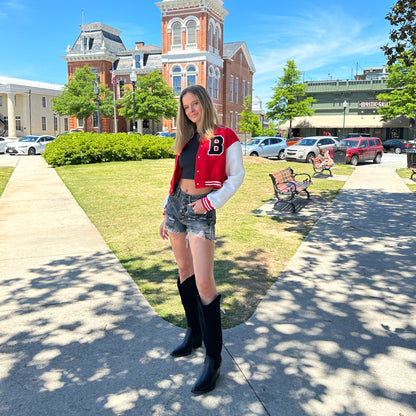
(193, 52)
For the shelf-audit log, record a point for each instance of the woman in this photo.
(325, 159)
(208, 171)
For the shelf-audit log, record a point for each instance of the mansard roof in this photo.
(97, 38)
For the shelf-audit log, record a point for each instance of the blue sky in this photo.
(322, 36)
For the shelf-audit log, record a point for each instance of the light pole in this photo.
(343, 123)
(133, 79)
(96, 83)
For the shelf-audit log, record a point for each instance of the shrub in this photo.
(84, 148)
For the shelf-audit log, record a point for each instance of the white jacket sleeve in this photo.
(235, 175)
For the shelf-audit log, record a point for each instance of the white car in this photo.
(265, 147)
(3, 144)
(308, 148)
(29, 145)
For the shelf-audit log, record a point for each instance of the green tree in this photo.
(249, 122)
(153, 99)
(403, 34)
(288, 100)
(402, 98)
(78, 99)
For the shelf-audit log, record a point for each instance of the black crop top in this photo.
(187, 158)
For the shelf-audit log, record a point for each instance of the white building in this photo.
(26, 108)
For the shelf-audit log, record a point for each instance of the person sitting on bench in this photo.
(325, 159)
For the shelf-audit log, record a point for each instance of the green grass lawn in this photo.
(406, 173)
(5, 173)
(124, 201)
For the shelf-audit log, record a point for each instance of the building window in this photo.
(231, 119)
(190, 76)
(44, 125)
(216, 88)
(231, 88)
(81, 123)
(43, 102)
(211, 76)
(236, 121)
(1, 101)
(191, 32)
(55, 123)
(248, 88)
(177, 80)
(137, 61)
(236, 90)
(66, 124)
(121, 88)
(95, 119)
(211, 35)
(217, 36)
(18, 123)
(176, 34)
(244, 90)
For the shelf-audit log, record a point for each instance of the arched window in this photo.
(217, 78)
(177, 80)
(176, 34)
(217, 37)
(211, 80)
(211, 35)
(190, 76)
(191, 32)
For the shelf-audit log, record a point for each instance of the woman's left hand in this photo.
(198, 207)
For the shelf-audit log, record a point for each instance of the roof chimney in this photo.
(139, 44)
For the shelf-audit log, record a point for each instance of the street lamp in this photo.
(96, 84)
(133, 79)
(343, 123)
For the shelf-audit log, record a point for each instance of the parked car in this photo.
(292, 141)
(166, 134)
(265, 147)
(308, 148)
(3, 144)
(396, 146)
(359, 149)
(29, 145)
(346, 136)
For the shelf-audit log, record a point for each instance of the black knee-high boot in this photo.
(210, 317)
(193, 337)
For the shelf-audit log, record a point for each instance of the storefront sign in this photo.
(371, 104)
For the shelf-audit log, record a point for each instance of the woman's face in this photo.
(192, 107)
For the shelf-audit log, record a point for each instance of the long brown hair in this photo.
(185, 128)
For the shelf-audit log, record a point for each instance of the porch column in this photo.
(11, 115)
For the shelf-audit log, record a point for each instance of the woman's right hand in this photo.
(162, 230)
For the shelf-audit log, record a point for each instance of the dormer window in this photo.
(138, 61)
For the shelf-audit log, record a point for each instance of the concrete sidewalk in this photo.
(336, 335)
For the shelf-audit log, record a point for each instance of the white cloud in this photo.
(324, 40)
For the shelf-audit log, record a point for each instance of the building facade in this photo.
(343, 107)
(26, 108)
(193, 52)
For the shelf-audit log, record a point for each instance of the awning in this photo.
(351, 122)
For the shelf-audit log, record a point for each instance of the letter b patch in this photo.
(216, 146)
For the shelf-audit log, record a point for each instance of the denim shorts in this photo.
(181, 218)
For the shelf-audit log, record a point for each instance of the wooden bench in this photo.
(413, 169)
(318, 168)
(286, 186)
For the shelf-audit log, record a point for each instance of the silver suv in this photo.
(308, 148)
